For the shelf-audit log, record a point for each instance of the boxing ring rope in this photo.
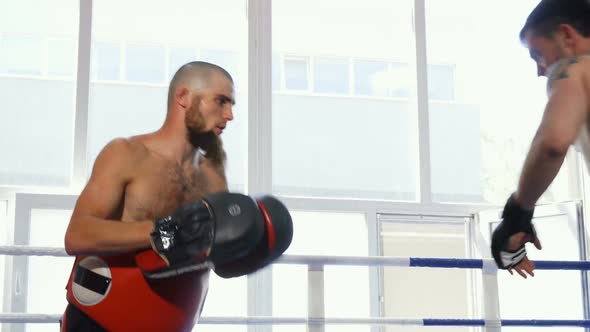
(16, 318)
(487, 265)
(459, 263)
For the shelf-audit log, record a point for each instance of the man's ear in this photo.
(182, 96)
(570, 35)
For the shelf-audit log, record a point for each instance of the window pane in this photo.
(405, 238)
(38, 114)
(106, 61)
(61, 58)
(125, 109)
(400, 80)
(290, 283)
(370, 78)
(226, 297)
(296, 73)
(145, 63)
(559, 237)
(21, 55)
(331, 75)
(48, 227)
(441, 82)
(338, 146)
(382, 79)
(47, 276)
(479, 140)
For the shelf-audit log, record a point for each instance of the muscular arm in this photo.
(564, 115)
(91, 229)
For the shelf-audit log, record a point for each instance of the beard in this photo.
(202, 139)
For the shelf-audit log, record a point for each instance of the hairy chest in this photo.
(160, 190)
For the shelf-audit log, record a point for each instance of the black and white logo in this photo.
(234, 210)
(92, 280)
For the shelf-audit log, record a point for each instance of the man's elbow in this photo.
(75, 243)
(71, 244)
(555, 148)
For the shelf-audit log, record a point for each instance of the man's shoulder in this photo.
(572, 70)
(119, 156)
(125, 148)
(584, 67)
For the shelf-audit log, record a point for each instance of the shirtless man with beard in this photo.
(134, 182)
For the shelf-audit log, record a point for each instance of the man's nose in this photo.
(229, 114)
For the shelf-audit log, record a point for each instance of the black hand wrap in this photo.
(515, 219)
(220, 228)
(188, 233)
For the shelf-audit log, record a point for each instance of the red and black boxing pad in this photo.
(220, 228)
(277, 238)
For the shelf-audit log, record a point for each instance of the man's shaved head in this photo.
(195, 75)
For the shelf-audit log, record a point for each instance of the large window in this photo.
(134, 55)
(479, 139)
(420, 292)
(37, 89)
(327, 145)
(342, 130)
(290, 283)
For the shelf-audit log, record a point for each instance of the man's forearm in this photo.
(98, 236)
(540, 169)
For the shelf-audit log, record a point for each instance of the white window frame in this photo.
(16, 267)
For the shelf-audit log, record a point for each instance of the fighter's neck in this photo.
(174, 145)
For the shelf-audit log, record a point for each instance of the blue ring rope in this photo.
(478, 264)
(507, 322)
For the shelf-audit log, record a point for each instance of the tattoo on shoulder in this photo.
(561, 72)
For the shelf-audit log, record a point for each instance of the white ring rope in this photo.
(21, 318)
(220, 320)
(20, 250)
